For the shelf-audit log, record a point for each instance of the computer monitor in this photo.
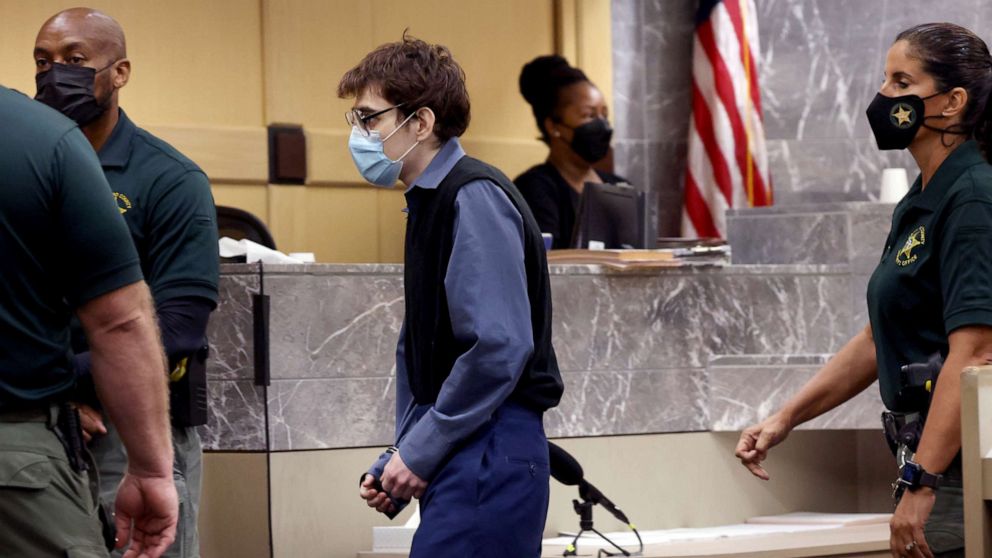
(613, 214)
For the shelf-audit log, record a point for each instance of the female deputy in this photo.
(571, 115)
(930, 298)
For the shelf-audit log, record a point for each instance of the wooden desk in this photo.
(862, 541)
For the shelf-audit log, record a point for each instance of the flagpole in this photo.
(746, 60)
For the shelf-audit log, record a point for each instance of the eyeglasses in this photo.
(355, 118)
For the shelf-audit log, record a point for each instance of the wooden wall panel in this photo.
(253, 198)
(392, 225)
(193, 62)
(337, 224)
(209, 76)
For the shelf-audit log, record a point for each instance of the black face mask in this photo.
(69, 90)
(896, 120)
(591, 141)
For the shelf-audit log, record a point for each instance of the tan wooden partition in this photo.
(976, 448)
(209, 76)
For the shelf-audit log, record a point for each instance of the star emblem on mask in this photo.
(903, 116)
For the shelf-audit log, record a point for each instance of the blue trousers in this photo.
(490, 499)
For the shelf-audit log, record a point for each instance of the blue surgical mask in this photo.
(372, 161)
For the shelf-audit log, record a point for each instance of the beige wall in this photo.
(209, 76)
(234, 506)
(661, 481)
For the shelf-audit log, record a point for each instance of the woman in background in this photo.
(571, 115)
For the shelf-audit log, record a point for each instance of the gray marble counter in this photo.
(640, 352)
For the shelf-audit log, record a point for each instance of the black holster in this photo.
(68, 428)
(902, 429)
(188, 389)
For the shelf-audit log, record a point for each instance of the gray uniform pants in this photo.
(945, 528)
(46, 508)
(111, 460)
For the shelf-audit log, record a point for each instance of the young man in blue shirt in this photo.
(475, 369)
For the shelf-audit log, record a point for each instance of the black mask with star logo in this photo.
(895, 120)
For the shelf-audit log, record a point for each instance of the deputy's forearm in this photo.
(847, 374)
(129, 371)
(941, 441)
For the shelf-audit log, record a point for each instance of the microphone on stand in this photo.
(566, 470)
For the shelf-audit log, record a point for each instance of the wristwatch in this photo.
(912, 476)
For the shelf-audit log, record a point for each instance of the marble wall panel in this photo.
(740, 396)
(627, 17)
(829, 170)
(635, 159)
(668, 28)
(334, 325)
(236, 418)
(331, 413)
(666, 175)
(869, 229)
(783, 314)
(630, 322)
(820, 66)
(903, 14)
(581, 309)
(630, 402)
(230, 330)
(859, 302)
(809, 238)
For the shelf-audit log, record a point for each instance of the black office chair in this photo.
(238, 223)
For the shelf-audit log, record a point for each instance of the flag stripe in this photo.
(719, 115)
(704, 126)
(725, 92)
(701, 171)
(734, 11)
(699, 213)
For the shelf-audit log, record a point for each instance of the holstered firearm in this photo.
(68, 428)
(918, 381)
(188, 389)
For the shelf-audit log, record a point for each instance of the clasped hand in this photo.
(397, 480)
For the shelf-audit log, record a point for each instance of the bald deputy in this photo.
(81, 63)
(66, 248)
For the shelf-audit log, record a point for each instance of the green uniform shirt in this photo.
(62, 244)
(936, 270)
(166, 202)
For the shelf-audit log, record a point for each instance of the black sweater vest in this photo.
(430, 347)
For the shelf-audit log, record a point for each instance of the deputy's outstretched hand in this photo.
(756, 440)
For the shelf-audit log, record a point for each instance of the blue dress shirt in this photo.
(486, 288)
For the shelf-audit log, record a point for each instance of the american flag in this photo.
(728, 164)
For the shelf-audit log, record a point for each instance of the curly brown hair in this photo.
(417, 74)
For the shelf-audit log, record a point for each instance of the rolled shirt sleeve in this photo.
(486, 288)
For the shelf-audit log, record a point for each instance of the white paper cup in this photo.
(895, 185)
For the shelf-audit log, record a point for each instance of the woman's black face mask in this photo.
(69, 90)
(896, 120)
(591, 140)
